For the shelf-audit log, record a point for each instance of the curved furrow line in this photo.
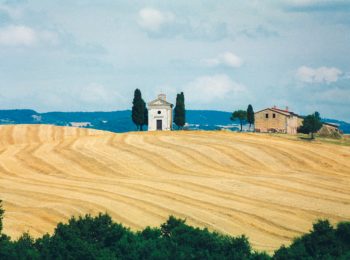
(302, 160)
(322, 160)
(255, 201)
(243, 217)
(5, 173)
(61, 150)
(129, 200)
(308, 193)
(320, 183)
(135, 162)
(158, 159)
(68, 199)
(109, 156)
(231, 151)
(140, 204)
(169, 157)
(200, 154)
(96, 151)
(282, 157)
(197, 219)
(242, 158)
(89, 163)
(198, 158)
(298, 150)
(32, 134)
(26, 157)
(7, 135)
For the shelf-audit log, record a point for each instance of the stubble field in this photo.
(269, 188)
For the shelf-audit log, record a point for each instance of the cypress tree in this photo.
(145, 114)
(138, 110)
(250, 115)
(180, 112)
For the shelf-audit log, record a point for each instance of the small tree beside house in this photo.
(311, 124)
(241, 115)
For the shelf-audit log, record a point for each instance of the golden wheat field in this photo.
(269, 188)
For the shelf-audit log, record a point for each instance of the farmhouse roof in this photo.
(285, 112)
(331, 124)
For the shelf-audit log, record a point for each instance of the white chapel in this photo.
(160, 114)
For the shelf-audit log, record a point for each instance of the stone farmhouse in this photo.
(277, 121)
(160, 114)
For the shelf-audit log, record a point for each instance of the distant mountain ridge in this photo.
(120, 121)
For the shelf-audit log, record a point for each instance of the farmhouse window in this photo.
(267, 115)
(274, 115)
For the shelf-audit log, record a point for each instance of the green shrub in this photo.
(100, 238)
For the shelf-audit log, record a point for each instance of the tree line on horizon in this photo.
(311, 123)
(99, 237)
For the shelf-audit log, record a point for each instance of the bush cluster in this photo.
(100, 238)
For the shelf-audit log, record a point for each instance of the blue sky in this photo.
(91, 55)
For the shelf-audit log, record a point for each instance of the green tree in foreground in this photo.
(323, 242)
(139, 110)
(311, 124)
(241, 115)
(250, 115)
(179, 111)
(1, 216)
(100, 238)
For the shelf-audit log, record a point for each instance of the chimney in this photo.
(287, 108)
(162, 97)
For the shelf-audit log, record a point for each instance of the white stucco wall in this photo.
(165, 115)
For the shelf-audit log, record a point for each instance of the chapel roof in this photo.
(160, 101)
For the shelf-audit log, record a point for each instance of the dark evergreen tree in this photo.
(241, 115)
(145, 113)
(311, 124)
(250, 116)
(180, 112)
(138, 110)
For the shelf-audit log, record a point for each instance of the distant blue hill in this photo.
(120, 121)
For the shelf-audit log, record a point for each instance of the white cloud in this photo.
(152, 19)
(21, 35)
(17, 35)
(206, 89)
(318, 75)
(228, 59)
(302, 3)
